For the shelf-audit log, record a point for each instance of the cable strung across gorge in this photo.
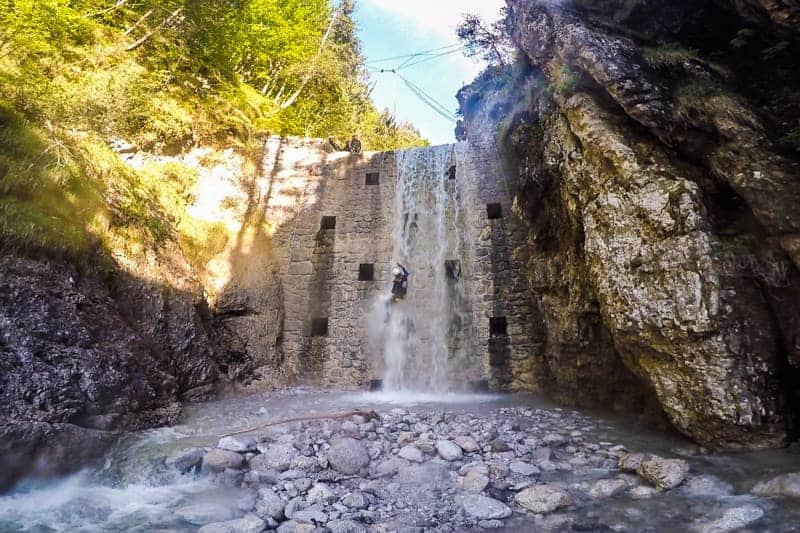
(453, 47)
(410, 60)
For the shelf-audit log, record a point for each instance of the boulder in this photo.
(345, 526)
(475, 481)
(270, 505)
(448, 450)
(219, 460)
(249, 524)
(411, 453)
(466, 443)
(277, 456)
(238, 444)
(483, 508)
(787, 485)
(522, 468)
(733, 520)
(185, 460)
(630, 461)
(663, 473)
(605, 488)
(543, 499)
(348, 456)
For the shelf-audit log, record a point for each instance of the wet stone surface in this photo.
(496, 463)
(437, 471)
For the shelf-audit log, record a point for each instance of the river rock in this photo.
(522, 468)
(238, 444)
(448, 451)
(355, 500)
(206, 513)
(313, 514)
(543, 499)
(484, 508)
(643, 492)
(733, 519)
(630, 461)
(388, 467)
(348, 456)
(219, 460)
(605, 488)
(320, 493)
(498, 445)
(466, 443)
(663, 473)
(269, 504)
(185, 460)
(345, 526)
(277, 456)
(475, 481)
(307, 464)
(249, 524)
(295, 527)
(411, 453)
(784, 485)
(707, 486)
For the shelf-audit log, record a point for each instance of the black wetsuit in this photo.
(400, 284)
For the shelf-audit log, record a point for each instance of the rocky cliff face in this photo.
(85, 353)
(93, 347)
(663, 197)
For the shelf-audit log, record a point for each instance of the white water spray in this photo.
(424, 336)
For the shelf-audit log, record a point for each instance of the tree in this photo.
(490, 42)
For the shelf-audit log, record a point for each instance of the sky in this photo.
(391, 28)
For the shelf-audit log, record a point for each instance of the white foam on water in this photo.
(411, 397)
(77, 502)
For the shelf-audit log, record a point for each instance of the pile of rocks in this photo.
(413, 471)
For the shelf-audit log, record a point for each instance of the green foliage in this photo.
(668, 55)
(164, 75)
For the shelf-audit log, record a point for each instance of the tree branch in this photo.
(369, 415)
(149, 34)
(138, 23)
(116, 6)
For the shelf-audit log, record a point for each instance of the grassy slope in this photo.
(67, 88)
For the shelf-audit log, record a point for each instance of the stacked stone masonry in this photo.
(319, 269)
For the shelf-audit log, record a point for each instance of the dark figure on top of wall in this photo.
(461, 131)
(333, 144)
(353, 145)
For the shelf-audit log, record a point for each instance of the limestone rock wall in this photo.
(661, 211)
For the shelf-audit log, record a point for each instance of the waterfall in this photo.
(425, 336)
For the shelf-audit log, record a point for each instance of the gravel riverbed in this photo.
(479, 464)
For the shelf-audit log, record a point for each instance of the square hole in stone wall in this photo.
(452, 269)
(328, 223)
(366, 272)
(373, 178)
(319, 327)
(498, 326)
(451, 173)
(494, 211)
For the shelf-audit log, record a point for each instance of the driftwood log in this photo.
(369, 415)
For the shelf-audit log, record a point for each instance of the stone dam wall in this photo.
(334, 217)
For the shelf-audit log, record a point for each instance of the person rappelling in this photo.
(399, 288)
(400, 283)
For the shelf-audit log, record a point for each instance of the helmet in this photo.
(396, 271)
